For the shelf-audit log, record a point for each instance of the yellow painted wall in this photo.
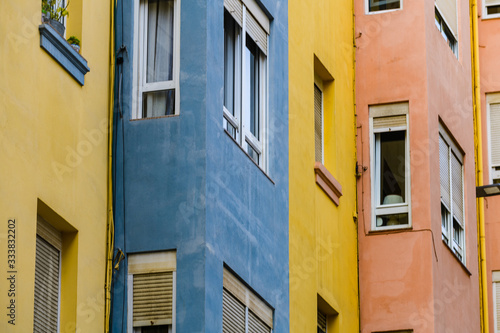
(53, 160)
(323, 241)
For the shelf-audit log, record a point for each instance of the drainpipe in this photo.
(110, 222)
(483, 282)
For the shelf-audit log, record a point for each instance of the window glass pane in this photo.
(158, 103)
(253, 154)
(155, 329)
(318, 124)
(231, 34)
(393, 219)
(160, 41)
(493, 10)
(251, 88)
(445, 218)
(376, 5)
(392, 167)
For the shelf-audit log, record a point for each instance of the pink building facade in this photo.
(489, 64)
(418, 259)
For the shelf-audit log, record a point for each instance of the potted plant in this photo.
(75, 43)
(53, 13)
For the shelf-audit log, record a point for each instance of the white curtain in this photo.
(159, 62)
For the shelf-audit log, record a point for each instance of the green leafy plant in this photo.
(54, 9)
(74, 40)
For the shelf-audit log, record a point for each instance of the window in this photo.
(491, 8)
(496, 300)
(47, 277)
(390, 166)
(151, 292)
(446, 32)
(246, 32)
(452, 194)
(156, 54)
(242, 310)
(321, 322)
(494, 136)
(378, 5)
(318, 124)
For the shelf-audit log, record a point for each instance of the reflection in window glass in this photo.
(376, 5)
(392, 166)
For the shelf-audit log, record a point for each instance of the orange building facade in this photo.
(489, 49)
(418, 259)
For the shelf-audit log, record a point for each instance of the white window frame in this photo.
(243, 135)
(151, 262)
(448, 230)
(139, 85)
(485, 15)
(368, 12)
(492, 98)
(319, 83)
(252, 302)
(382, 111)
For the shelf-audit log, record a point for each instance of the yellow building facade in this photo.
(54, 110)
(322, 132)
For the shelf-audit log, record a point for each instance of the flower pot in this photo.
(45, 17)
(58, 27)
(75, 47)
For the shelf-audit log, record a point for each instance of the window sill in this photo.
(159, 117)
(457, 258)
(391, 230)
(63, 53)
(258, 166)
(328, 183)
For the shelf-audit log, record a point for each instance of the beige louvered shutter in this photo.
(457, 189)
(233, 314)
(321, 321)
(492, 2)
(152, 299)
(444, 171)
(495, 134)
(255, 325)
(389, 122)
(46, 287)
(235, 8)
(496, 305)
(255, 30)
(448, 9)
(318, 124)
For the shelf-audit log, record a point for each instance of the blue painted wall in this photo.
(182, 183)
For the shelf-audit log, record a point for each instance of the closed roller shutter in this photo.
(496, 305)
(495, 134)
(492, 2)
(444, 172)
(46, 287)
(255, 325)
(152, 299)
(457, 189)
(233, 314)
(318, 124)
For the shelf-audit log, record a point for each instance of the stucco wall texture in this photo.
(182, 183)
(410, 279)
(489, 48)
(323, 253)
(53, 152)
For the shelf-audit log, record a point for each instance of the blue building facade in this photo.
(201, 161)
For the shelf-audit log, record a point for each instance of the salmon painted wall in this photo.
(409, 279)
(489, 48)
(323, 248)
(53, 153)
